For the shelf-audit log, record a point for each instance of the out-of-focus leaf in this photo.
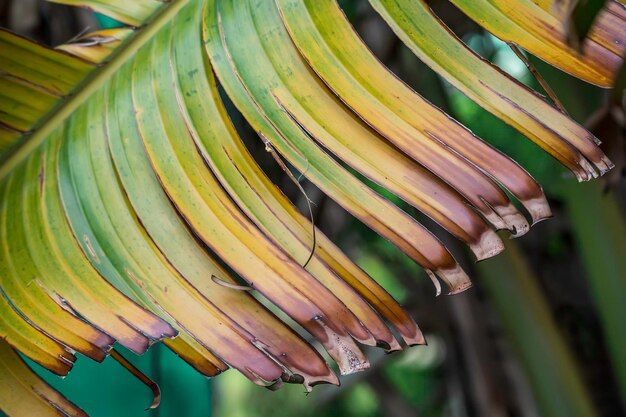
(525, 316)
(619, 88)
(134, 13)
(597, 221)
(609, 124)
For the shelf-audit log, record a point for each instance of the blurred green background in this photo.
(541, 334)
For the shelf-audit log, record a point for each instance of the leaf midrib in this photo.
(88, 86)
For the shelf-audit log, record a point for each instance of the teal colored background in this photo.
(109, 390)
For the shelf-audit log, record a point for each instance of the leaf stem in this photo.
(544, 84)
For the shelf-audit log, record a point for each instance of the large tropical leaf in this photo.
(132, 212)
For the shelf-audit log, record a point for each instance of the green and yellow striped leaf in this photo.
(131, 211)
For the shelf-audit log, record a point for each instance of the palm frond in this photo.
(501, 95)
(131, 209)
(534, 26)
